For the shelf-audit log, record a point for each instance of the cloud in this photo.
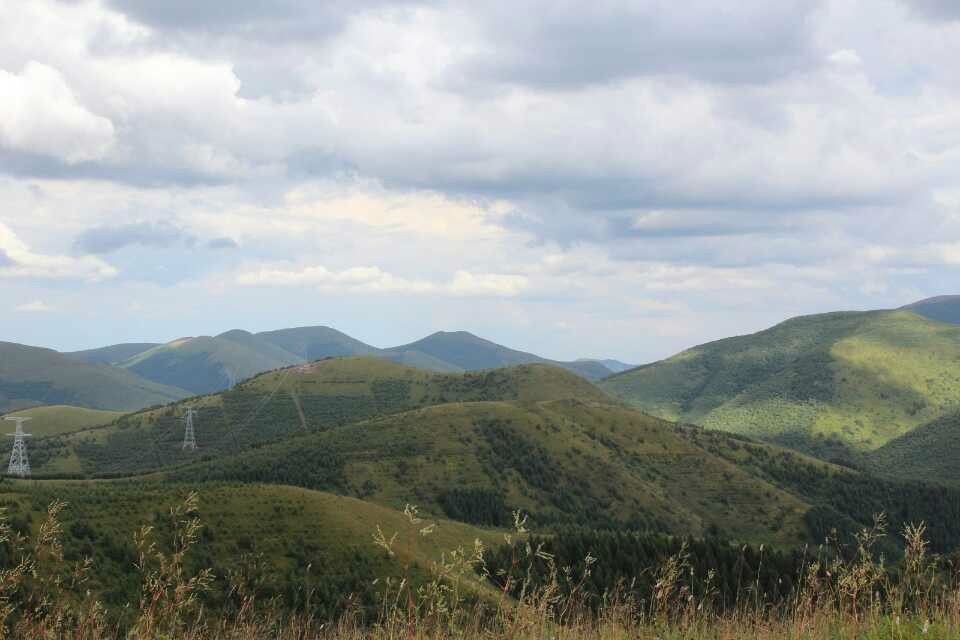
(936, 9)
(376, 280)
(572, 44)
(40, 114)
(222, 243)
(567, 167)
(24, 263)
(106, 239)
(37, 306)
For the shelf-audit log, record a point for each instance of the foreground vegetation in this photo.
(575, 585)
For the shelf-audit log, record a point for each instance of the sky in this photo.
(602, 179)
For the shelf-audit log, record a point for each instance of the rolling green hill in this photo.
(614, 366)
(823, 384)
(468, 352)
(942, 308)
(111, 354)
(60, 419)
(564, 461)
(292, 539)
(588, 464)
(294, 400)
(209, 364)
(931, 452)
(314, 343)
(32, 376)
(474, 446)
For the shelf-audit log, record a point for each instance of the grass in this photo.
(854, 593)
(821, 384)
(561, 461)
(289, 402)
(61, 419)
(292, 537)
(927, 453)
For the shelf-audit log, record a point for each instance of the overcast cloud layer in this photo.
(618, 179)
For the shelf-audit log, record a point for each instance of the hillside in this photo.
(292, 537)
(468, 352)
(111, 354)
(210, 364)
(60, 419)
(830, 384)
(299, 399)
(563, 461)
(573, 463)
(474, 446)
(614, 366)
(33, 376)
(930, 452)
(942, 308)
(314, 343)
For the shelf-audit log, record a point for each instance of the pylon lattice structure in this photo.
(189, 435)
(19, 462)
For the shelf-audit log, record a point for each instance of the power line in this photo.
(19, 462)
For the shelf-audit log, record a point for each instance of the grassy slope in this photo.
(860, 379)
(32, 376)
(291, 401)
(563, 460)
(313, 343)
(209, 364)
(590, 464)
(111, 354)
(942, 308)
(485, 443)
(930, 453)
(60, 419)
(470, 353)
(291, 527)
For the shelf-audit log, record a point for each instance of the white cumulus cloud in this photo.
(375, 280)
(39, 113)
(19, 261)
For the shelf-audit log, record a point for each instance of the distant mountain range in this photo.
(32, 376)
(135, 375)
(942, 308)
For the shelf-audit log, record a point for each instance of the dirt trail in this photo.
(296, 401)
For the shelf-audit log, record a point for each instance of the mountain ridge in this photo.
(830, 384)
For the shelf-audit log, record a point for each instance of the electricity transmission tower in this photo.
(19, 462)
(189, 437)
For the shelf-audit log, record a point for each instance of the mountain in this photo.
(209, 364)
(615, 366)
(475, 446)
(567, 462)
(942, 308)
(468, 352)
(33, 376)
(291, 401)
(112, 354)
(831, 384)
(313, 343)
